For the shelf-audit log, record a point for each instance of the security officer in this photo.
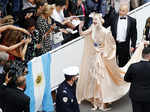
(66, 100)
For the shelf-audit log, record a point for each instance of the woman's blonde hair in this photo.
(47, 9)
(98, 16)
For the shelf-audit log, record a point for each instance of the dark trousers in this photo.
(140, 106)
(122, 53)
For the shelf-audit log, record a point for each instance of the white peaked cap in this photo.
(72, 71)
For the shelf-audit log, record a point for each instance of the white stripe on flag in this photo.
(39, 82)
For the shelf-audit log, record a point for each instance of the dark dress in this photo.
(32, 51)
(43, 26)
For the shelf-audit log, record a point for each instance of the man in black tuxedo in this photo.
(15, 100)
(123, 28)
(139, 76)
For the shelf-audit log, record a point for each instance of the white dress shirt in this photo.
(58, 16)
(149, 33)
(27, 4)
(122, 29)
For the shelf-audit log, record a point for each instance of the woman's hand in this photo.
(53, 27)
(132, 49)
(28, 15)
(26, 32)
(80, 27)
(28, 40)
(64, 31)
(38, 46)
(7, 79)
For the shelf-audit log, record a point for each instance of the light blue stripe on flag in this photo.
(29, 85)
(47, 104)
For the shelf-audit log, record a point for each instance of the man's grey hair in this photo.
(4, 56)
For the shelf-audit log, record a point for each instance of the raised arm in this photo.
(5, 48)
(24, 49)
(3, 28)
(82, 33)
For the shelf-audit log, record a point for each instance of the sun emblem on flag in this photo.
(38, 79)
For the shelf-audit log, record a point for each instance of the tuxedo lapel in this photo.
(115, 25)
(128, 26)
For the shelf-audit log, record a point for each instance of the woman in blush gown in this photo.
(101, 80)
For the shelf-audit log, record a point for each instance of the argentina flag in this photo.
(38, 84)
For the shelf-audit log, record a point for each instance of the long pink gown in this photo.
(101, 80)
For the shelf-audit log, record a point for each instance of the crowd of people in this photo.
(30, 28)
(45, 24)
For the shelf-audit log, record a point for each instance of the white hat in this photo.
(71, 71)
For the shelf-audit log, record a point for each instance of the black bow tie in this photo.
(122, 17)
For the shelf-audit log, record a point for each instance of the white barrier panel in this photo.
(71, 53)
(141, 14)
(64, 56)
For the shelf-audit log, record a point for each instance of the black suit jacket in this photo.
(66, 100)
(16, 101)
(139, 76)
(2, 95)
(131, 29)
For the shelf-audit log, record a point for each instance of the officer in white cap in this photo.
(66, 100)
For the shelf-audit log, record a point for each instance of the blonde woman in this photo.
(45, 26)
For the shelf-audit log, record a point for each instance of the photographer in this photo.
(44, 25)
